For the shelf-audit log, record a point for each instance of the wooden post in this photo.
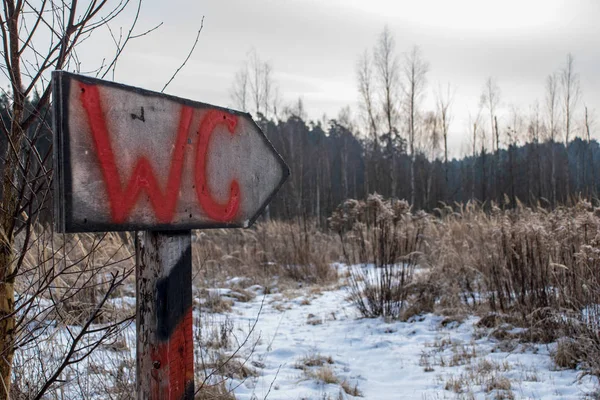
(165, 357)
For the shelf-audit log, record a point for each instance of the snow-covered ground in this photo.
(418, 359)
(310, 343)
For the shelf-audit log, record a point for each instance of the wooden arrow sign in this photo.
(131, 159)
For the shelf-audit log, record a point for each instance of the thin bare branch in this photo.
(188, 56)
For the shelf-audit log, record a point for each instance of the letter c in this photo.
(217, 211)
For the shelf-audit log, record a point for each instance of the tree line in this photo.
(331, 163)
(398, 148)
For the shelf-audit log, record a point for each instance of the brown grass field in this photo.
(531, 268)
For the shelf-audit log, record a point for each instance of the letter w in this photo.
(122, 200)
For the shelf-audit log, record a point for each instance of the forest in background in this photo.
(333, 161)
(395, 146)
(330, 164)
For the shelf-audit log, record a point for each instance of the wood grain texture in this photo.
(165, 357)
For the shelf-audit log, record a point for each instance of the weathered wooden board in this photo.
(132, 159)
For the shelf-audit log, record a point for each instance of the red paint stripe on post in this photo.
(143, 177)
(174, 363)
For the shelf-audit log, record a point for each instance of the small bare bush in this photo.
(382, 239)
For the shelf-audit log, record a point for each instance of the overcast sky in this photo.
(313, 46)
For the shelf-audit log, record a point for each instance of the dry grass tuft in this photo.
(462, 355)
(217, 391)
(324, 374)
(313, 360)
(425, 361)
(318, 367)
(498, 382)
(568, 354)
(214, 303)
(456, 384)
(351, 390)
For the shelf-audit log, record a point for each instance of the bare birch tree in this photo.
(570, 92)
(386, 62)
(239, 92)
(473, 123)
(588, 124)
(256, 81)
(260, 90)
(570, 88)
(366, 90)
(364, 74)
(513, 135)
(490, 99)
(254, 88)
(387, 69)
(443, 105)
(552, 110)
(431, 141)
(414, 82)
(534, 133)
